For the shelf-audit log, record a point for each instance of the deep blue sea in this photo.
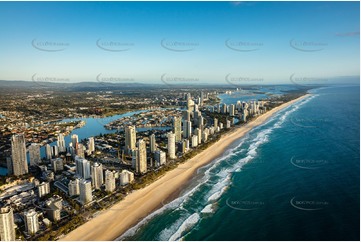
(296, 177)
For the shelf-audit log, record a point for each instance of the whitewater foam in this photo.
(186, 225)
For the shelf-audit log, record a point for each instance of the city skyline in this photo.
(138, 42)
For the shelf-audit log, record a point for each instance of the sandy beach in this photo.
(111, 223)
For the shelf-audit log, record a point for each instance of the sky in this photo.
(180, 42)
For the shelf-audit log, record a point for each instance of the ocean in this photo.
(296, 177)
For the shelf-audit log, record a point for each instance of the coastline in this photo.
(113, 222)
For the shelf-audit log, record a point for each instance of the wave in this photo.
(208, 209)
(186, 225)
(164, 234)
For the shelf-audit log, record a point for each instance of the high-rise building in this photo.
(109, 181)
(141, 164)
(130, 138)
(18, 155)
(91, 145)
(54, 207)
(57, 164)
(202, 99)
(134, 157)
(177, 128)
(97, 175)
(194, 141)
(82, 167)
(48, 153)
(186, 115)
(61, 143)
(73, 186)
(160, 157)
(198, 132)
(7, 226)
(126, 177)
(74, 140)
(231, 110)
(85, 188)
(171, 145)
(34, 154)
(43, 189)
(228, 124)
(31, 221)
(215, 123)
(204, 136)
(152, 143)
(55, 151)
(187, 129)
(80, 150)
(224, 108)
(190, 105)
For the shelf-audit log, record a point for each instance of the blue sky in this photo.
(246, 42)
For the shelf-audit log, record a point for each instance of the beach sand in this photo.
(113, 222)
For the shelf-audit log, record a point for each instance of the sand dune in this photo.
(111, 223)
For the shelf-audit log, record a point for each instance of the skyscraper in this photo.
(109, 181)
(190, 105)
(18, 155)
(31, 221)
(43, 189)
(85, 188)
(125, 177)
(34, 154)
(91, 145)
(48, 152)
(231, 110)
(171, 145)
(152, 143)
(73, 187)
(177, 128)
(160, 157)
(130, 138)
(74, 140)
(55, 151)
(7, 226)
(141, 164)
(61, 143)
(80, 150)
(97, 175)
(187, 129)
(215, 122)
(82, 167)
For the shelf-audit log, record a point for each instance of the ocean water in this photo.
(296, 177)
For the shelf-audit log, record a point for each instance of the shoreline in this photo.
(116, 220)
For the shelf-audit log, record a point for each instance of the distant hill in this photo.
(78, 86)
